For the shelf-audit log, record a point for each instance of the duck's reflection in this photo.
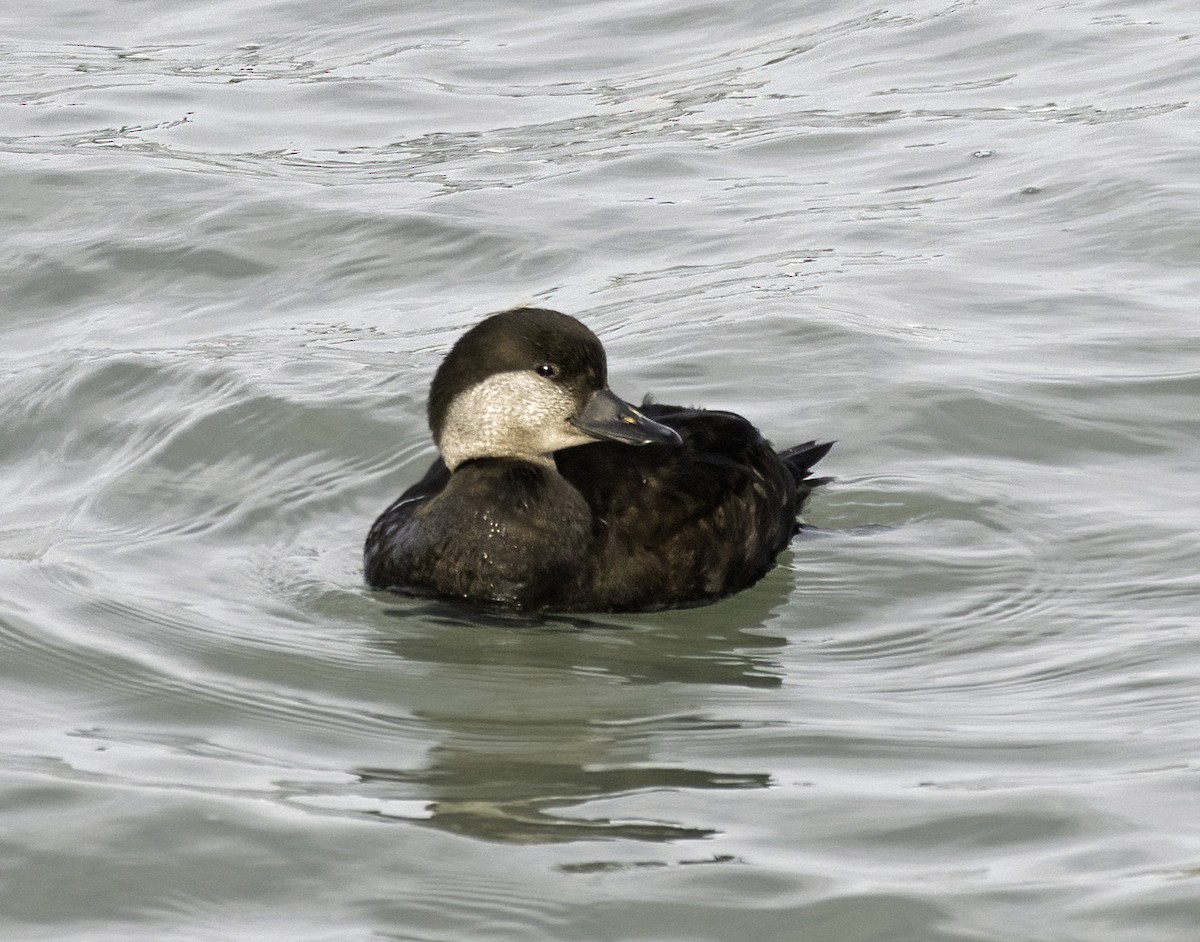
(551, 726)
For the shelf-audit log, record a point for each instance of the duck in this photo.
(552, 494)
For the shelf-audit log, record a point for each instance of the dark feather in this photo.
(658, 525)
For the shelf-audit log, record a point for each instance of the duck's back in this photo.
(677, 525)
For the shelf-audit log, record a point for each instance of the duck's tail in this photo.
(799, 460)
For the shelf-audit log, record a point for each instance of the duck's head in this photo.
(525, 383)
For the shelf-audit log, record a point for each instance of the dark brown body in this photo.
(611, 528)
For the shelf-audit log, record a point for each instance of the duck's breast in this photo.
(495, 530)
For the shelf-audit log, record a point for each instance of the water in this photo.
(960, 238)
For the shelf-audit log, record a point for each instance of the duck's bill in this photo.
(608, 417)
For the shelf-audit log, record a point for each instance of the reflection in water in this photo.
(519, 797)
(714, 644)
(531, 727)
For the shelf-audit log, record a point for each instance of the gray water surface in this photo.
(961, 238)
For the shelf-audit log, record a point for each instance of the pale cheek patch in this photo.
(515, 415)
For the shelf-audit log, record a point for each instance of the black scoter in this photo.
(551, 493)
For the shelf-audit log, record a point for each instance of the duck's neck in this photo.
(454, 454)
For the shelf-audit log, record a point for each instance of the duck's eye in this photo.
(547, 370)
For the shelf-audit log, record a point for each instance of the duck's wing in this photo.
(695, 521)
(376, 551)
(436, 478)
